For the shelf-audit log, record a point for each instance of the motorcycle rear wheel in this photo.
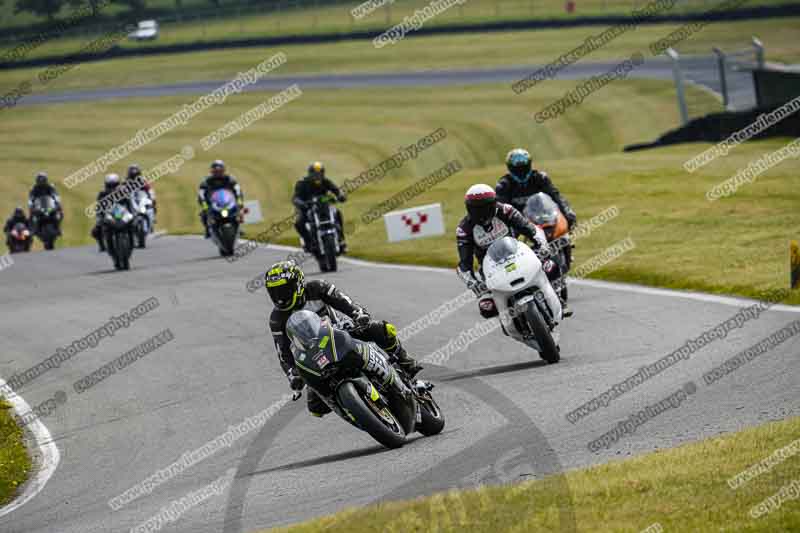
(432, 417)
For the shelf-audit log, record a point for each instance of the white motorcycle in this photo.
(529, 308)
(145, 216)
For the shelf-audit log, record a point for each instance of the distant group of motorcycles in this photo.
(43, 221)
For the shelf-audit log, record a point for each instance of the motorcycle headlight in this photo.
(224, 213)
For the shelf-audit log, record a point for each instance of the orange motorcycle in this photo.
(545, 214)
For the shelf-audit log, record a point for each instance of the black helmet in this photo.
(285, 285)
(518, 162)
(218, 168)
(316, 169)
(134, 171)
(19, 212)
(481, 203)
(305, 330)
(41, 178)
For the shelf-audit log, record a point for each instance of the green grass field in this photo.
(737, 245)
(781, 38)
(296, 18)
(683, 489)
(15, 464)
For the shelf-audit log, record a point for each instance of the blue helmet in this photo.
(518, 162)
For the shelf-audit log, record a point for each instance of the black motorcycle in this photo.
(323, 227)
(118, 234)
(46, 220)
(223, 221)
(383, 412)
(19, 238)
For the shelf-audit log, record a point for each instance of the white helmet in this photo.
(111, 181)
(481, 203)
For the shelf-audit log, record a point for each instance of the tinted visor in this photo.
(481, 213)
(282, 292)
(520, 171)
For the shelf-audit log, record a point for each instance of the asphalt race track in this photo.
(701, 70)
(505, 410)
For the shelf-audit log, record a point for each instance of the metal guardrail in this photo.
(728, 64)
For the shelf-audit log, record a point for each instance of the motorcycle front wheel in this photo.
(227, 240)
(381, 424)
(548, 349)
(329, 245)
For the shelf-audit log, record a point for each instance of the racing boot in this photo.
(315, 405)
(566, 312)
(204, 220)
(98, 236)
(407, 363)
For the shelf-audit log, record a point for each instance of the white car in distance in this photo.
(147, 30)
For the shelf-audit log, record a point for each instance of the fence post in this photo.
(723, 82)
(759, 46)
(678, 77)
(314, 24)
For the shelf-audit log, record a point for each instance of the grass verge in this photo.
(682, 489)
(15, 464)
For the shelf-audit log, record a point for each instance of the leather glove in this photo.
(477, 287)
(296, 383)
(361, 318)
(572, 219)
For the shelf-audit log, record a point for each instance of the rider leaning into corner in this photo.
(488, 220)
(312, 185)
(218, 179)
(41, 188)
(307, 332)
(290, 293)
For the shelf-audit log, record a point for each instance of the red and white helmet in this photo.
(481, 203)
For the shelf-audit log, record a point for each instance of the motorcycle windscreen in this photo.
(541, 209)
(223, 199)
(46, 203)
(139, 197)
(503, 249)
(118, 211)
(315, 354)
